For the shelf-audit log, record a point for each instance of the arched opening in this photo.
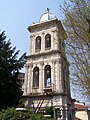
(48, 41)
(36, 77)
(38, 44)
(47, 77)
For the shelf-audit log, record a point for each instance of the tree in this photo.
(77, 25)
(12, 114)
(10, 85)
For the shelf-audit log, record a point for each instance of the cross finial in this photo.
(48, 10)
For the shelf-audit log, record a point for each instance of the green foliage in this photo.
(49, 111)
(77, 25)
(10, 85)
(12, 114)
(21, 103)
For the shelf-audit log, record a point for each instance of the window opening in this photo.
(36, 77)
(48, 41)
(47, 76)
(38, 44)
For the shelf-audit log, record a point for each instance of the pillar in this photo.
(53, 75)
(41, 78)
(58, 80)
(25, 83)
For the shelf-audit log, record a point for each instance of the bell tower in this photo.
(47, 68)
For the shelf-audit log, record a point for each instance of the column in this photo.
(53, 75)
(31, 80)
(41, 77)
(52, 40)
(31, 44)
(56, 40)
(30, 77)
(25, 82)
(58, 82)
(43, 42)
(60, 75)
(66, 115)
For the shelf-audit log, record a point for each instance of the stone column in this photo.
(58, 82)
(34, 44)
(31, 44)
(53, 75)
(56, 40)
(25, 82)
(62, 113)
(43, 42)
(53, 39)
(30, 77)
(66, 114)
(41, 78)
(60, 76)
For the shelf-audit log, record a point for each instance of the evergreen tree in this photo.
(10, 85)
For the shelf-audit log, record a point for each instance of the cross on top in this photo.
(48, 10)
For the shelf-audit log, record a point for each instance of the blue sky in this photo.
(17, 15)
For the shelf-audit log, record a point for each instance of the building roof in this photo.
(78, 118)
(46, 16)
(80, 106)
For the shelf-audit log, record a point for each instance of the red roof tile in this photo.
(78, 118)
(81, 106)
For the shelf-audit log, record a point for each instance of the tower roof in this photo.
(46, 16)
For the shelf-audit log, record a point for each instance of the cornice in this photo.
(44, 53)
(45, 23)
(47, 95)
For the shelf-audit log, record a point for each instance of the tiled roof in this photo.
(78, 118)
(81, 106)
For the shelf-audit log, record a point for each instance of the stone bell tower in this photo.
(47, 69)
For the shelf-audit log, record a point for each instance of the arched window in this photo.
(47, 77)
(48, 41)
(38, 43)
(36, 77)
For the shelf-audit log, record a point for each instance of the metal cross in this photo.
(48, 10)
